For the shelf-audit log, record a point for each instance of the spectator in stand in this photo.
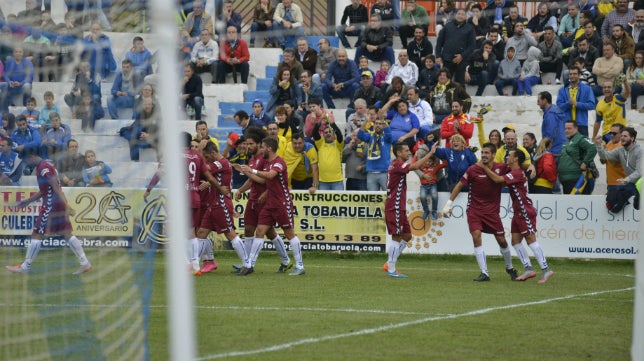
(622, 15)
(329, 146)
(31, 15)
(39, 51)
(291, 64)
(96, 172)
(420, 47)
(192, 94)
(510, 21)
(607, 68)
(126, 85)
(614, 169)
(288, 23)
(397, 87)
(56, 138)
(237, 153)
(10, 164)
(459, 157)
(286, 125)
(32, 114)
(412, 17)
(403, 123)
(196, 21)
(569, 25)
(530, 73)
(509, 72)
(98, 52)
(553, 124)
(306, 55)
(403, 68)
(70, 166)
(544, 160)
(18, 76)
(593, 37)
(283, 88)
(8, 124)
(342, 79)
(383, 9)
(624, 44)
(146, 92)
(629, 155)
(585, 51)
(498, 10)
(521, 42)
(551, 54)
(457, 123)
(292, 115)
(262, 22)
(309, 90)
(586, 76)
(498, 48)
(242, 119)
(576, 155)
(318, 116)
(355, 120)
(635, 77)
(610, 110)
(26, 138)
(355, 169)
(233, 57)
(455, 45)
(228, 17)
(382, 73)
(140, 57)
(259, 118)
(83, 83)
(544, 17)
(363, 65)
(480, 24)
(367, 92)
(302, 163)
(202, 136)
(635, 30)
(377, 42)
(428, 75)
(423, 112)
(205, 54)
(480, 67)
(326, 55)
(358, 18)
(603, 8)
(88, 112)
(378, 153)
(444, 93)
(576, 99)
(530, 144)
(145, 130)
(48, 108)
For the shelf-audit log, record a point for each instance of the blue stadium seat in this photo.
(264, 83)
(271, 71)
(226, 121)
(233, 107)
(250, 95)
(222, 133)
(313, 41)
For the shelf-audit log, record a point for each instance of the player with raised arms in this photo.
(524, 220)
(396, 204)
(256, 201)
(53, 217)
(279, 206)
(483, 206)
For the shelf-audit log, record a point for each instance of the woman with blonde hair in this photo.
(544, 181)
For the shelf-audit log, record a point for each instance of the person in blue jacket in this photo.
(584, 100)
(378, 144)
(554, 122)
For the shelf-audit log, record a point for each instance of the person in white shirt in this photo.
(423, 111)
(405, 69)
(205, 54)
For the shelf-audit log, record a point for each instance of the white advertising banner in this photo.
(567, 226)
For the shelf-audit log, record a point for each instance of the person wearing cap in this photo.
(403, 68)
(367, 91)
(342, 79)
(259, 118)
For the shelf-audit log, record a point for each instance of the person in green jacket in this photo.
(576, 155)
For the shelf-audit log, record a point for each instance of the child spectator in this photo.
(429, 184)
(427, 77)
(530, 72)
(509, 71)
(49, 108)
(31, 114)
(56, 137)
(95, 172)
(381, 74)
(585, 77)
(363, 65)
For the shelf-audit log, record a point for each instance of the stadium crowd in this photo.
(417, 97)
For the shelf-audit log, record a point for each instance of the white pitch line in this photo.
(368, 331)
(311, 309)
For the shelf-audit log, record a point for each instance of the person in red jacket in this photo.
(233, 57)
(457, 123)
